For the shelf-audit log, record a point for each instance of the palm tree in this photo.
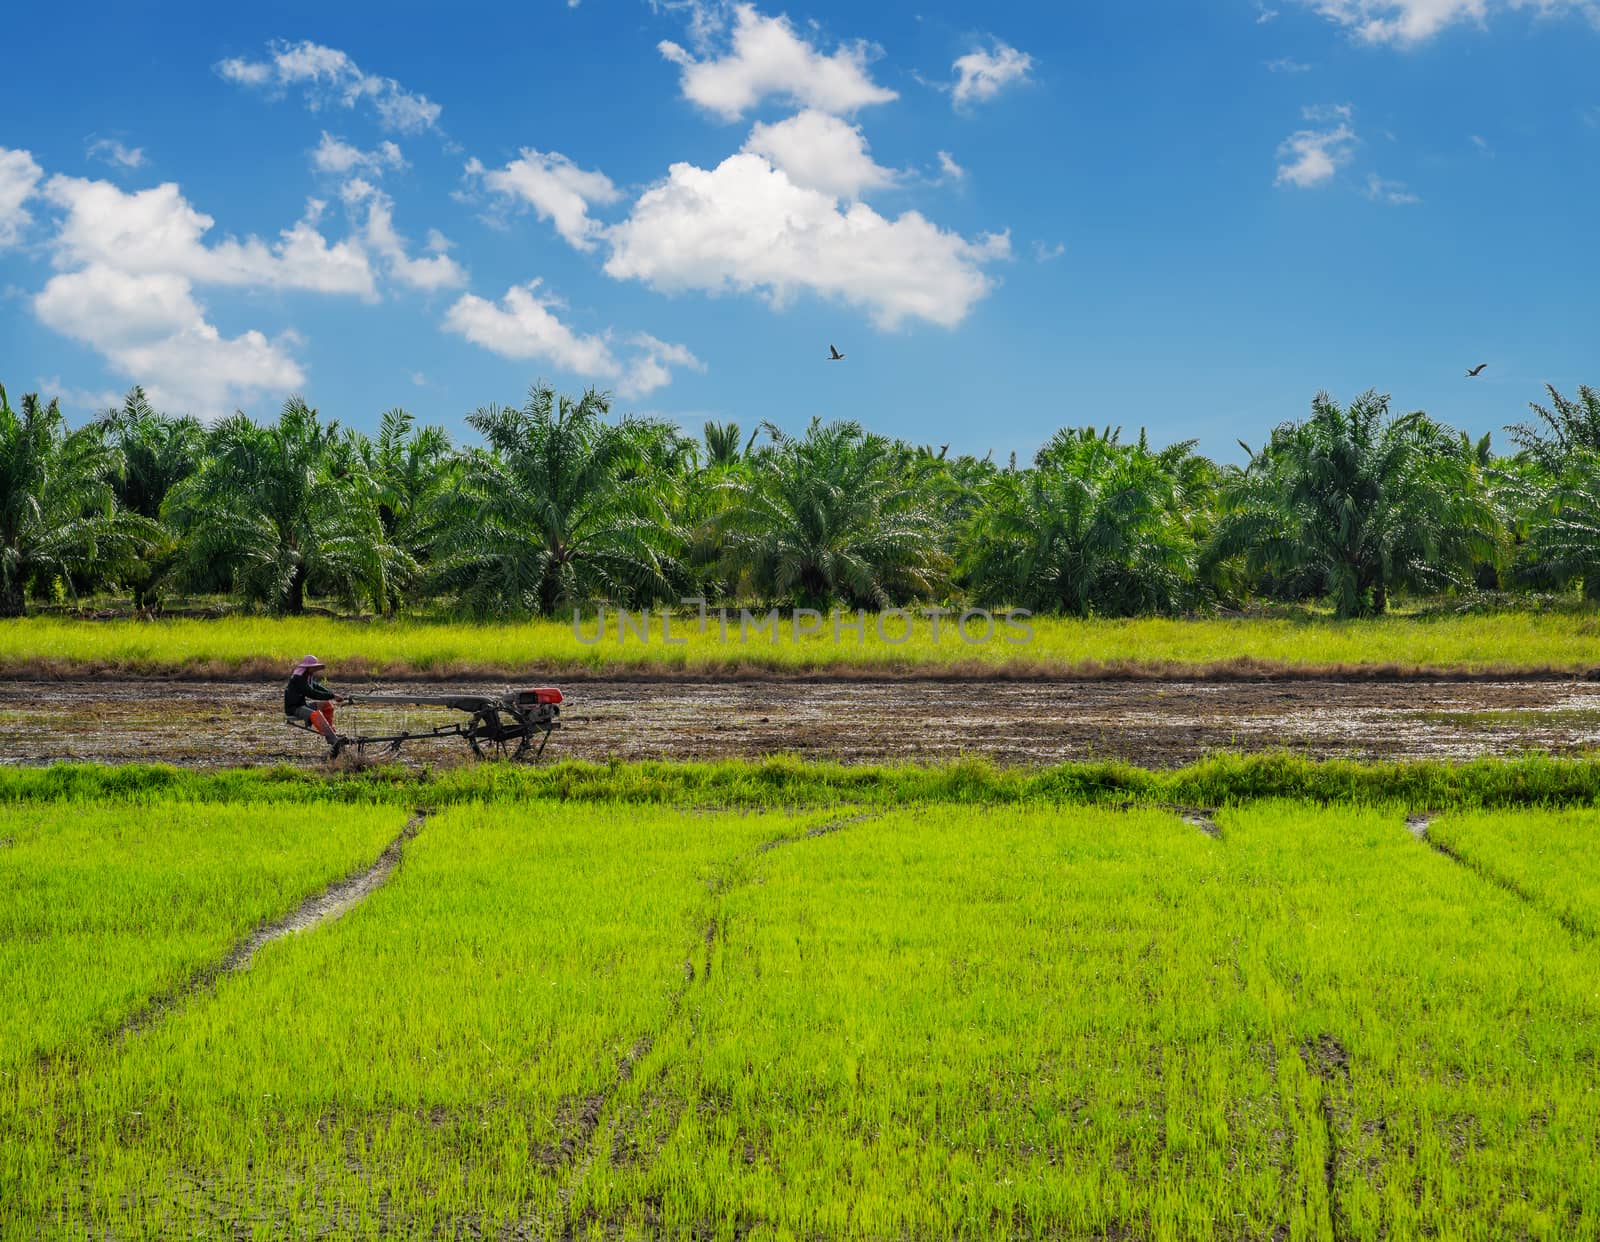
(562, 507)
(291, 508)
(59, 515)
(1365, 501)
(1563, 528)
(413, 471)
(829, 517)
(1571, 427)
(1094, 527)
(722, 445)
(156, 454)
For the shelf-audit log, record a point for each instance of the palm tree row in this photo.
(564, 506)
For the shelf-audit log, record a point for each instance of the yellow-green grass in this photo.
(246, 646)
(103, 906)
(1048, 1019)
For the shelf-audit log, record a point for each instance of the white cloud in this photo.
(650, 369)
(767, 58)
(524, 326)
(746, 225)
(707, 18)
(127, 267)
(77, 398)
(1409, 22)
(152, 331)
(1043, 253)
(982, 75)
(949, 168)
(1285, 65)
(327, 75)
(556, 188)
(1310, 157)
(334, 155)
(110, 151)
(157, 231)
(19, 179)
(437, 271)
(1394, 193)
(820, 152)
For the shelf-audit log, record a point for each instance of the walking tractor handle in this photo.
(498, 726)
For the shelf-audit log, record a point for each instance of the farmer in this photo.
(307, 699)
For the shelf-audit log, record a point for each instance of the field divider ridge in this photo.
(331, 903)
(1418, 825)
(726, 879)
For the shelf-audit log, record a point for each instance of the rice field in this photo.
(1506, 642)
(776, 1002)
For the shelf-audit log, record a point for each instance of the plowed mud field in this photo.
(1155, 723)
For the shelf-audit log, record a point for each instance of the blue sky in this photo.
(1183, 214)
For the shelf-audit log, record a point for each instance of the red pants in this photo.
(319, 716)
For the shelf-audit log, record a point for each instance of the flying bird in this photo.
(1473, 374)
(834, 355)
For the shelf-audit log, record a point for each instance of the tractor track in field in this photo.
(576, 1149)
(1418, 825)
(1329, 1062)
(1150, 722)
(323, 907)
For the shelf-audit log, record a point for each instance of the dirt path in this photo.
(1157, 723)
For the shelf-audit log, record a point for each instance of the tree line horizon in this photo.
(565, 507)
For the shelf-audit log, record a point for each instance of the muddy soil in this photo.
(1158, 724)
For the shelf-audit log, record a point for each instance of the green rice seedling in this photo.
(1075, 1024)
(1551, 858)
(1004, 1010)
(1448, 1039)
(435, 1061)
(105, 906)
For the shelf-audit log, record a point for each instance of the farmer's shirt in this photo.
(303, 686)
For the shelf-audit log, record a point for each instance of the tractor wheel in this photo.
(494, 736)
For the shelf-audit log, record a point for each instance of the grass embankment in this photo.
(1223, 780)
(1522, 643)
(623, 1020)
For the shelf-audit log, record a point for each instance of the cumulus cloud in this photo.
(128, 264)
(1048, 253)
(981, 75)
(157, 231)
(821, 152)
(334, 155)
(524, 326)
(767, 58)
(1310, 157)
(746, 225)
(151, 330)
(325, 75)
(556, 188)
(19, 179)
(1408, 22)
(110, 151)
(435, 271)
(949, 168)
